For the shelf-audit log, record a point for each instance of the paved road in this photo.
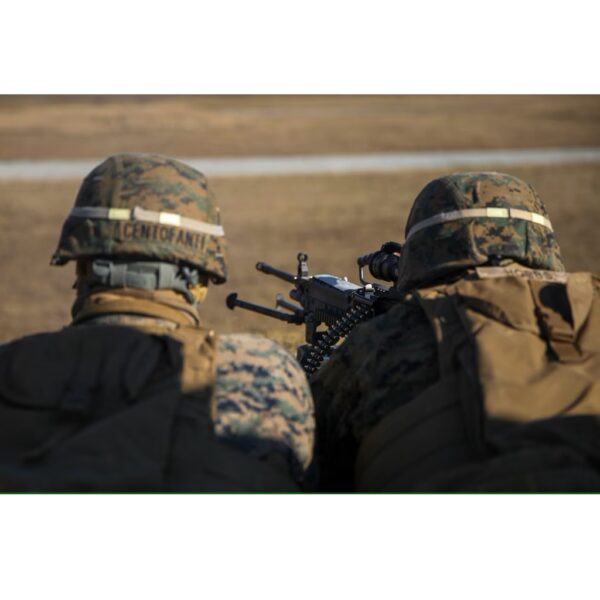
(331, 163)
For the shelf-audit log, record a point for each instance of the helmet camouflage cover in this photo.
(147, 207)
(468, 219)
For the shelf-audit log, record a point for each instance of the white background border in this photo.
(314, 46)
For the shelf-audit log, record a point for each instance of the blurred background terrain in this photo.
(333, 217)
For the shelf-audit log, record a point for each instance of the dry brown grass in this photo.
(96, 126)
(333, 218)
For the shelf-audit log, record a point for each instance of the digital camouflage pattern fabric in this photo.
(262, 400)
(384, 363)
(450, 247)
(148, 207)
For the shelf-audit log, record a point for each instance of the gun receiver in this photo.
(326, 300)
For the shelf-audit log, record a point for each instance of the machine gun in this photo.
(328, 300)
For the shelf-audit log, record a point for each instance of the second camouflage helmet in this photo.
(469, 219)
(148, 207)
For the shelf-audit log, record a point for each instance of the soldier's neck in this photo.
(138, 308)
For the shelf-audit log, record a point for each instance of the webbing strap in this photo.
(485, 213)
(144, 275)
(149, 216)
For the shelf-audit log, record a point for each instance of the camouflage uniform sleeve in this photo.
(384, 363)
(262, 401)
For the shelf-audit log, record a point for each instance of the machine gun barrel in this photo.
(266, 268)
(232, 301)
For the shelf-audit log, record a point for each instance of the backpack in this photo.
(111, 408)
(517, 404)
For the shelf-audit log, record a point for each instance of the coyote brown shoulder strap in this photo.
(513, 349)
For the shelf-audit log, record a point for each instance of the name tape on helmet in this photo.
(485, 213)
(149, 216)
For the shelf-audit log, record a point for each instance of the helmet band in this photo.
(485, 213)
(150, 216)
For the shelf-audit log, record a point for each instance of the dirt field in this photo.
(77, 127)
(332, 218)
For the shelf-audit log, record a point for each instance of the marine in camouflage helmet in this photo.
(147, 207)
(466, 220)
(466, 379)
(189, 410)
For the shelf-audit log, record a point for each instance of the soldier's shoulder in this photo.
(251, 351)
(262, 395)
(402, 319)
(255, 369)
(28, 338)
(49, 344)
(385, 352)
